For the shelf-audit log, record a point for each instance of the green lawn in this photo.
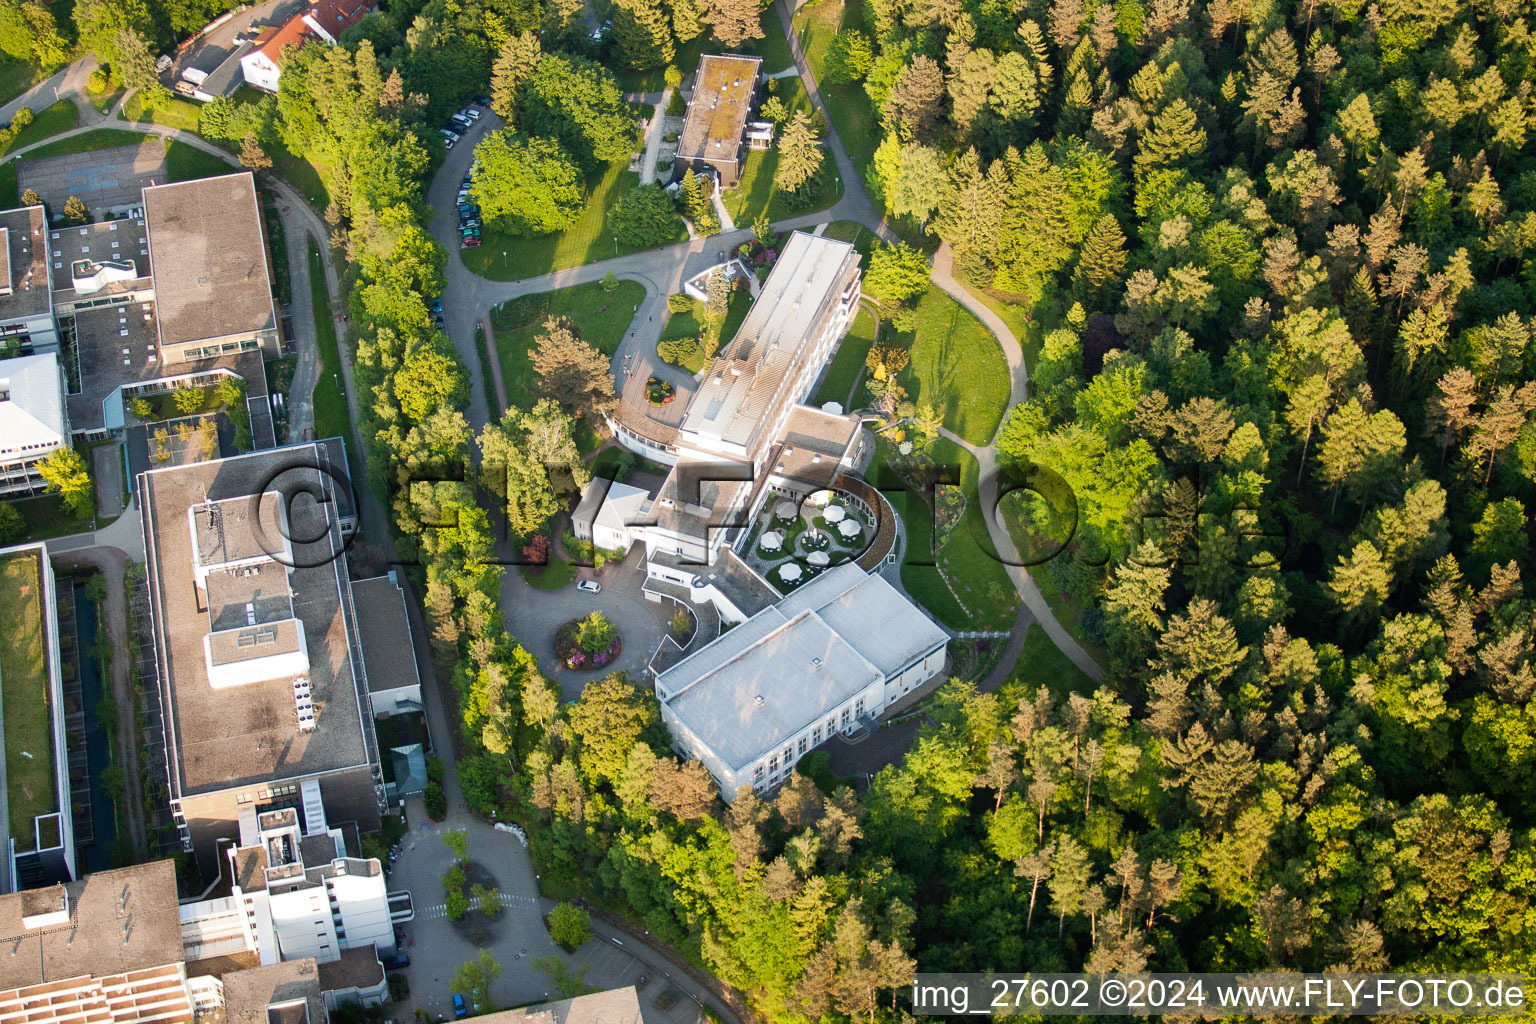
(691, 323)
(754, 194)
(173, 113)
(601, 317)
(1042, 663)
(28, 730)
(1019, 320)
(848, 364)
(852, 231)
(184, 162)
(848, 105)
(60, 117)
(978, 593)
(16, 77)
(331, 416)
(506, 257)
(956, 365)
(46, 518)
(90, 142)
(105, 100)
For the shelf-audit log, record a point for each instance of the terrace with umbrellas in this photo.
(793, 541)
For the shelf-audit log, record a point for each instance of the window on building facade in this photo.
(805, 744)
(847, 716)
(816, 735)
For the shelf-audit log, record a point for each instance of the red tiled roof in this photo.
(335, 16)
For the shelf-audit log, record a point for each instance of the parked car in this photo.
(471, 113)
(460, 1008)
(472, 222)
(589, 586)
(462, 121)
(449, 143)
(483, 101)
(398, 962)
(470, 243)
(437, 305)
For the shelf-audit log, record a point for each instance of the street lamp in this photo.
(615, 245)
(503, 259)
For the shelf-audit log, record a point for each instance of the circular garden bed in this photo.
(588, 643)
(658, 391)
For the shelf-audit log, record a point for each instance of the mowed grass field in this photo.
(505, 257)
(956, 366)
(24, 696)
(331, 416)
(601, 316)
(848, 105)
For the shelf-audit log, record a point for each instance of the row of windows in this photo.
(794, 751)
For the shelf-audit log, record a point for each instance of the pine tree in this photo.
(641, 36)
(31, 198)
(970, 88)
(687, 21)
(915, 105)
(970, 216)
(732, 22)
(800, 155)
(1102, 259)
(1360, 581)
(1174, 138)
(75, 211)
(252, 156)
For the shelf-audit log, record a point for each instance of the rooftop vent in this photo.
(758, 700)
(815, 662)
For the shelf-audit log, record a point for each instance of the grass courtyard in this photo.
(956, 365)
(506, 257)
(847, 367)
(331, 416)
(26, 697)
(600, 316)
(754, 194)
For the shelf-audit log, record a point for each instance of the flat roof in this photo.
(358, 967)
(121, 920)
(764, 680)
(281, 993)
(615, 1006)
(748, 379)
(24, 287)
(389, 654)
(209, 259)
(102, 366)
(240, 735)
(717, 113)
(28, 779)
(112, 240)
(788, 665)
(31, 401)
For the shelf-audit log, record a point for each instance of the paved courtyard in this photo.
(533, 615)
(104, 179)
(515, 939)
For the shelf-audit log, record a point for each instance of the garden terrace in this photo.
(26, 696)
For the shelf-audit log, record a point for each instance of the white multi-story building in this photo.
(295, 894)
(828, 658)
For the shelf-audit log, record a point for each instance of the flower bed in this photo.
(569, 649)
(658, 391)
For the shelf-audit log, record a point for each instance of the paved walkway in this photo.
(653, 139)
(66, 83)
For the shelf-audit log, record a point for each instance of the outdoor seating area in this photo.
(793, 541)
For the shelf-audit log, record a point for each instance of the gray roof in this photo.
(209, 259)
(717, 113)
(110, 241)
(281, 993)
(788, 665)
(120, 920)
(24, 282)
(389, 655)
(615, 1006)
(358, 967)
(32, 409)
(231, 737)
(749, 380)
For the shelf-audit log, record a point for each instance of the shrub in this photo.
(456, 904)
(436, 800)
(570, 926)
(97, 83)
(679, 303)
(678, 351)
(596, 633)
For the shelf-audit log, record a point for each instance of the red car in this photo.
(470, 243)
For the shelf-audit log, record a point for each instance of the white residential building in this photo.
(828, 658)
(324, 21)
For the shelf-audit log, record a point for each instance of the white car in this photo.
(589, 586)
(471, 113)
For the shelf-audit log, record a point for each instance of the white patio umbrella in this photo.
(772, 541)
(850, 528)
(818, 558)
(786, 510)
(789, 572)
(834, 513)
(820, 498)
